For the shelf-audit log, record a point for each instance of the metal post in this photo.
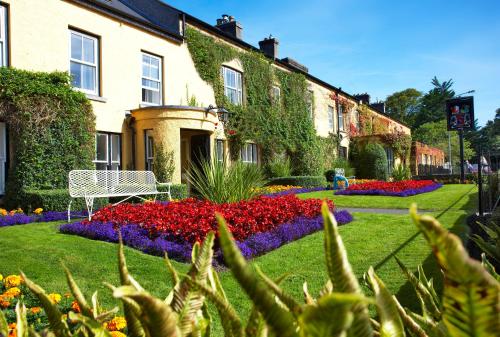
(462, 168)
(449, 153)
(480, 183)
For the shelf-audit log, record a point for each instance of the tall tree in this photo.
(404, 105)
(487, 137)
(434, 102)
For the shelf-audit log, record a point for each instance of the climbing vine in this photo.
(282, 126)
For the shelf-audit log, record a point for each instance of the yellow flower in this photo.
(55, 298)
(1, 277)
(116, 324)
(117, 334)
(12, 281)
(35, 310)
(13, 292)
(3, 212)
(38, 211)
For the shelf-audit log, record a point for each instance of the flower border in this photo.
(405, 193)
(22, 219)
(255, 245)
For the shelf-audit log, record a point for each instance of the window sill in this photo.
(96, 98)
(148, 105)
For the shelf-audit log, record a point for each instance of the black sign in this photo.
(460, 113)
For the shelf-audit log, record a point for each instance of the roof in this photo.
(163, 19)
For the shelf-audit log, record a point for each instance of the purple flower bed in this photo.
(405, 193)
(21, 218)
(258, 244)
(299, 190)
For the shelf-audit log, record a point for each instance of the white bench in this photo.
(91, 184)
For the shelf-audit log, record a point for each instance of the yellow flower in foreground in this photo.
(13, 292)
(117, 334)
(55, 298)
(38, 211)
(12, 281)
(3, 212)
(116, 324)
(35, 310)
(1, 277)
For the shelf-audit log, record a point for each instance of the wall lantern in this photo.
(222, 113)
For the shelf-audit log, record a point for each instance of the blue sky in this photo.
(379, 47)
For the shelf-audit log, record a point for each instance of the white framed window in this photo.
(233, 85)
(107, 151)
(219, 150)
(276, 94)
(310, 103)
(340, 117)
(84, 63)
(151, 80)
(330, 117)
(150, 149)
(4, 52)
(249, 153)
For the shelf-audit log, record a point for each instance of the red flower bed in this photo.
(398, 188)
(190, 220)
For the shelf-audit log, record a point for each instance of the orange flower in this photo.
(35, 310)
(12, 330)
(12, 292)
(67, 295)
(116, 324)
(12, 281)
(5, 301)
(75, 306)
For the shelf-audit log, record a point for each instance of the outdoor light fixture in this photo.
(222, 113)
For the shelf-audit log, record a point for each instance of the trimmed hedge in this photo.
(55, 200)
(448, 178)
(304, 181)
(371, 162)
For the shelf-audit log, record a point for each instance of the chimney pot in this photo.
(269, 46)
(230, 26)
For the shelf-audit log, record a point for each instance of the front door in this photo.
(3, 156)
(200, 149)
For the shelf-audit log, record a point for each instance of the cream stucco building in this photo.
(131, 59)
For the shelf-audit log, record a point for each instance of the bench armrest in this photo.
(164, 184)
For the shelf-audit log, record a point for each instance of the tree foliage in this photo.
(404, 105)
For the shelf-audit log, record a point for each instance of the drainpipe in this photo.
(131, 126)
(338, 126)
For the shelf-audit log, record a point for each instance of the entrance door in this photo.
(3, 156)
(200, 149)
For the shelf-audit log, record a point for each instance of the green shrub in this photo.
(304, 181)
(371, 162)
(401, 172)
(343, 163)
(279, 166)
(220, 182)
(164, 165)
(53, 130)
(54, 200)
(178, 191)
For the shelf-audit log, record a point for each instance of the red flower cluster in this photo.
(190, 219)
(397, 186)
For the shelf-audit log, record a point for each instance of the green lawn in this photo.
(372, 239)
(457, 197)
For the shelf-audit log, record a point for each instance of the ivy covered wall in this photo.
(278, 126)
(51, 128)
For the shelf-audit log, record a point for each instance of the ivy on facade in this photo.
(278, 126)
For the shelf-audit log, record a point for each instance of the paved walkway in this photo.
(375, 210)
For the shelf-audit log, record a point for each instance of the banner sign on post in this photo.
(460, 113)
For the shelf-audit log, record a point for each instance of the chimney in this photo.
(230, 26)
(269, 46)
(364, 98)
(379, 106)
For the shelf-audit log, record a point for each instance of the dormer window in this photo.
(233, 85)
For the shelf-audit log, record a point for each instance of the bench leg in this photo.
(69, 210)
(90, 204)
